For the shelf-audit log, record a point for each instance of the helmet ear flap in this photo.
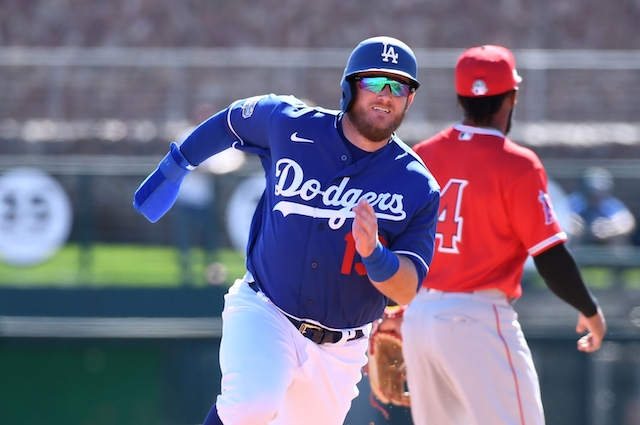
(348, 94)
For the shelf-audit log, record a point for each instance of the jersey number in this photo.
(449, 230)
(350, 255)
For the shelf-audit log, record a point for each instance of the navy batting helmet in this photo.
(384, 54)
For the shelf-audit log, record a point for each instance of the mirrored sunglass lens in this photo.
(374, 84)
(377, 84)
(399, 89)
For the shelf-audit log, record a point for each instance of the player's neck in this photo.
(499, 121)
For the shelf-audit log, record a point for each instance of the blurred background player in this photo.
(346, 222)
(467, 359)
(599, 217)
(194, 216)
(194, 220)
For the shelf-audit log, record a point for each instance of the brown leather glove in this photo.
(386, 368)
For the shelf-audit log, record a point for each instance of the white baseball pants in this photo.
(468, 362)
(271, 374)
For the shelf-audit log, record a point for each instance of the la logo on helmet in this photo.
(388, 52)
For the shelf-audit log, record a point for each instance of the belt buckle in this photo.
(304, 326)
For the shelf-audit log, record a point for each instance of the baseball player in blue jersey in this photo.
(346, 222)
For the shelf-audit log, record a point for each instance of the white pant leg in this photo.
(468, 362)
(258, 359)
(325, 385)
(271, 374)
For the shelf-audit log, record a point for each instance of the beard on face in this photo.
(368, 129)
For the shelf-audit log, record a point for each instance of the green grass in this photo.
(153, 267)
(121, 265)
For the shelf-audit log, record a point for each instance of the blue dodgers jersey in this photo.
(301, 250)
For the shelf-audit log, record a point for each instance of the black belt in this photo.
(315, 333)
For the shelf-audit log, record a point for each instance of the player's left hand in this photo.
(597, 327)
(365, 228)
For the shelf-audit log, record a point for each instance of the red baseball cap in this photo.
(486, 71)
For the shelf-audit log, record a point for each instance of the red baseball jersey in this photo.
(494, 210)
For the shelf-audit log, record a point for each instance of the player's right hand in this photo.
(365, 228)
(597, 327)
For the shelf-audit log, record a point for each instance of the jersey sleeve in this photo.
(243, 125)
(418, 239)
(531, 211)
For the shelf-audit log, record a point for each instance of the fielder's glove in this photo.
(386, 368)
